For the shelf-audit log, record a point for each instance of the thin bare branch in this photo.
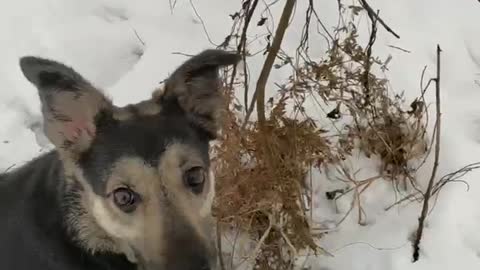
(219, 246)
(202, 22)
(259, 94)
(241, 49)
(428, 192)
(399, 48)
(370, 12)
(138, 37)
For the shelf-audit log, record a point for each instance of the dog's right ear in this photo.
(70, 104)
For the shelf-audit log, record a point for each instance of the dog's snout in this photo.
(187, 249)
(200, 263)
(183, 266)
(196, 262)
(190, 259)
(185, 263)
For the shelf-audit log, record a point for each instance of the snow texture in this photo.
(128, 47)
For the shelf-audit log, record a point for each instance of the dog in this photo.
(124, 187)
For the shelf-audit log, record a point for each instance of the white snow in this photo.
(99, 39)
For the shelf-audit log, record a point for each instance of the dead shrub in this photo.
(261, 170)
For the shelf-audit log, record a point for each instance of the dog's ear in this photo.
(70, 104)
(195, 87)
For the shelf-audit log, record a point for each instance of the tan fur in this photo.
(144, 108)
(168, 212)
(206, 209)
(80, 220)
(158, 93)
(188, 204)
(100, 226)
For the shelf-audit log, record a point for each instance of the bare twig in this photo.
(172, 5)
(428, 192)
(399, 48)
(367, 64)
(138, 37)
(259, 94)
(181, 53)
(370, 11)
(219, 247)
(202, 22)
(260, 243)
(453, 177)
(241, 49)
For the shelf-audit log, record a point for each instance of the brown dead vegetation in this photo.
(262, 166)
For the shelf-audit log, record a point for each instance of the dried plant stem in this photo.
(260, 242)
(428, 192)
(241, 49)
(219, 246)
(372, 13)
(259, 95)
(368, 62)
(138, 37)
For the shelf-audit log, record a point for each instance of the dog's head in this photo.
(137, 177)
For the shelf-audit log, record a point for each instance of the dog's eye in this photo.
(125, 199)
(194, 179)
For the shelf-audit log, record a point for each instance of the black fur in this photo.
(32, 198)
(32, 232)
(35, 198)
(146, 137)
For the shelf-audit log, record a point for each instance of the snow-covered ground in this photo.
(128, 47)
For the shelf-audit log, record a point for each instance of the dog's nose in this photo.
(187, 250)
(204, 265)
(189, 256)
(189, 262)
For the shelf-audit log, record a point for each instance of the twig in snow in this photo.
(184, 54)
(428, 192)
(399, 48)
(260, 243)
(138, 37)
(453, 177)
(371, 41)
(219, 247)
(371, 246)
(408, 197)
(241, 49)
(172, 5)
(202, 22)
(259, 95)
(372, 13)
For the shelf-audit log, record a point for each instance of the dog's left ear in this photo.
(70, 104)
(195, 87)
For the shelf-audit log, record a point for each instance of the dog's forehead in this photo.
(144, 138)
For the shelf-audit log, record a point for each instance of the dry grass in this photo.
(261, 169)
(261, 185)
